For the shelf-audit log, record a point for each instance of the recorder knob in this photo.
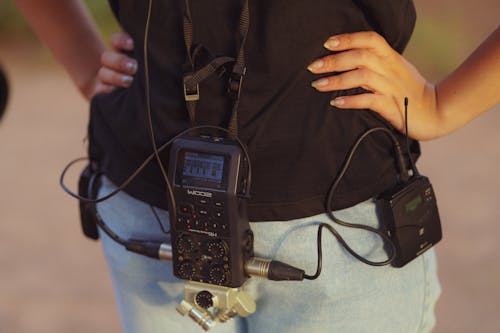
(185, 244)
(217, 248)
(186, 270)
(217, 274)
(204, 299)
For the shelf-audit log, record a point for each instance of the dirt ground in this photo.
(53, 280)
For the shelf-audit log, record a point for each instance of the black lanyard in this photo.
(193, 77)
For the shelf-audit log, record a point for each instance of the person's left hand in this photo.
(366, 60)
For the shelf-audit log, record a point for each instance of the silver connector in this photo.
(225, 304)
(165, 252)
(201, 318)
(258, 267)
(222, 317)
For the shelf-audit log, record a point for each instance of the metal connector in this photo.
(208, 304)
(165, 252)
(258, 267)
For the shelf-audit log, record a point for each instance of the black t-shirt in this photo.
(296, 140)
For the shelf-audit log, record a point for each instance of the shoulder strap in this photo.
(193, 77)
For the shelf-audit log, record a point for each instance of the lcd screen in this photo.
(202, 170)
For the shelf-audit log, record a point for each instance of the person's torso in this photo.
(297, 141)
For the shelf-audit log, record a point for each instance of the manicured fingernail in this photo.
(132, 66)
(337, 102)
(316, 65)
(332, 43)
(127, 79)
(130, 43)
(320, 83)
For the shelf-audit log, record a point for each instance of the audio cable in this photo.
(404, 177)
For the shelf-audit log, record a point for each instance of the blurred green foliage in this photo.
(14, 27)
(11, 21)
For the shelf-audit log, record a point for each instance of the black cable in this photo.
(329, 210)
(320, 253)
(143, 247)
(246, 191)
(412, 162)
(149, 115)
(124, 184)
(329, 202)
(99, 220)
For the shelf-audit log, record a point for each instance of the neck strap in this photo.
(193, 77)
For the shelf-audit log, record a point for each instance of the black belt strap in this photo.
(193, 77)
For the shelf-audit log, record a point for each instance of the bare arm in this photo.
(66, 27)
(472, 88)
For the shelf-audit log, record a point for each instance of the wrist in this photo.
(446, 122)
(87, 88)
(433, 118)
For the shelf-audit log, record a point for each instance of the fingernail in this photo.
(130, 43)
(316, 65)
(320, 83)
(337, 102)
(332, 43)
(132, 66)
(127, 79)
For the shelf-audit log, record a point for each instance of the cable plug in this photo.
(152, 249)
(273, 270)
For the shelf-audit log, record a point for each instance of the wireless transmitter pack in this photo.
(410, 215)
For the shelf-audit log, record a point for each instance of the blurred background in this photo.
(54, 280)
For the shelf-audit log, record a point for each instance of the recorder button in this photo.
(203, 201)
(203, 211)
(186, 208)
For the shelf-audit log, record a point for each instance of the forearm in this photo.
(472, 88)
(66, 27)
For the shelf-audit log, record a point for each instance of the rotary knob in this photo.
(217, 248)
(186, 270)
(218, 275)
(204, 299)
(185, 245)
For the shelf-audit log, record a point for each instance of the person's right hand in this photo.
(117, 69)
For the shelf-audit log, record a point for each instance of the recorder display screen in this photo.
(202, 170)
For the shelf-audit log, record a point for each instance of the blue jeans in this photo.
(349, 296)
